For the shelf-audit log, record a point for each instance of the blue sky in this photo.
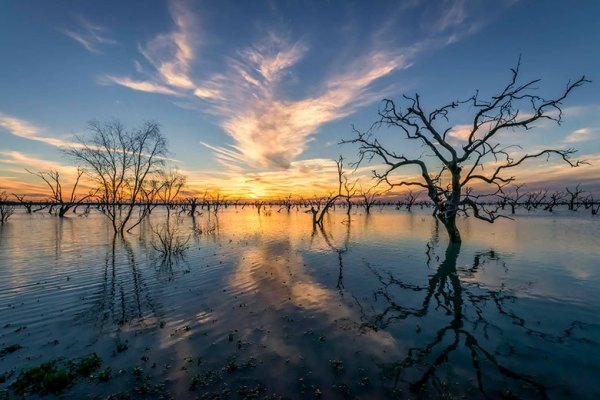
(254, 96)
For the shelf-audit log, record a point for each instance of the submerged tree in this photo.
(122, 162)
(53, 181)
(6, 209)
(479, 159)
(320, 206)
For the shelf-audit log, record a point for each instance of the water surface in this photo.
(372, 306)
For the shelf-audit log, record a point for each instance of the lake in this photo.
(263, 306)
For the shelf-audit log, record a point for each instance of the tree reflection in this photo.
(123, 295)
(340, 250)
(475, 312)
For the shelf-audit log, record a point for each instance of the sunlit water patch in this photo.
(260, 304)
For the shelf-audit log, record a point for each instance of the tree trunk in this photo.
(449, 222)
(63, 210)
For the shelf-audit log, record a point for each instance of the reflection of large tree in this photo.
(470, 307)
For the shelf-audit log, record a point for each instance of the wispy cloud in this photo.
(30, 161)
(27, 130)
(142, 86)
(269, 129)
(170, 55)
(579, 135)
(89, 35)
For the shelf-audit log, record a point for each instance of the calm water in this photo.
(261, 305)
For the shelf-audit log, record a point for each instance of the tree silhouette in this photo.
(121, 162)
(477, 159)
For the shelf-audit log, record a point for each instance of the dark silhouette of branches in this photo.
(468, 304)
(477, 160)
(64, 204)
(6, 209)
(320, 206)
(121, 162)
(574, 197)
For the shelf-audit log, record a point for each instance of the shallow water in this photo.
(260, 304)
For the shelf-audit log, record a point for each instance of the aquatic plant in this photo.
(54, 377)
(10, 349)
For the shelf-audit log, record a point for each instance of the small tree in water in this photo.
(479, 159)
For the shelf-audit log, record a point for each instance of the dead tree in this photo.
(216, 200)
(258, 204)
(409, 199)
(513, 199)
(369, 198)
(590, 203)
(121, 162)
(193, 204)
(287, 203)
(555, 199)
(6, 209)
(28, 204)
(535, 199)
(476, 159)
(574, 197)
(52, 180)
(171, 184)
(323, 204)
(349, 192)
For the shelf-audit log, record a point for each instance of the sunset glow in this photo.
(255, 101)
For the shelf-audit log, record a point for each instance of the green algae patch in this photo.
(46, 378)
(54, 377)
(10, 349)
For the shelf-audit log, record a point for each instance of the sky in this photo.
(255, 96)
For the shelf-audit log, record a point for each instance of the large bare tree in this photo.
(478, 160)
(122, 162)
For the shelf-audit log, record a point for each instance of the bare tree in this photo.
(52, 180)
(193, 204)
(409, 199)
(513, 199)
(574, 197)
(349, 192)
(216, 200)
(121, 162)
(590, 203)
(172, 183)
(320, 206)
(369, 198)
(555, 199)
(535, 199)
(28, 204)
(6, 209)
(287, 203)
(477, 160)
